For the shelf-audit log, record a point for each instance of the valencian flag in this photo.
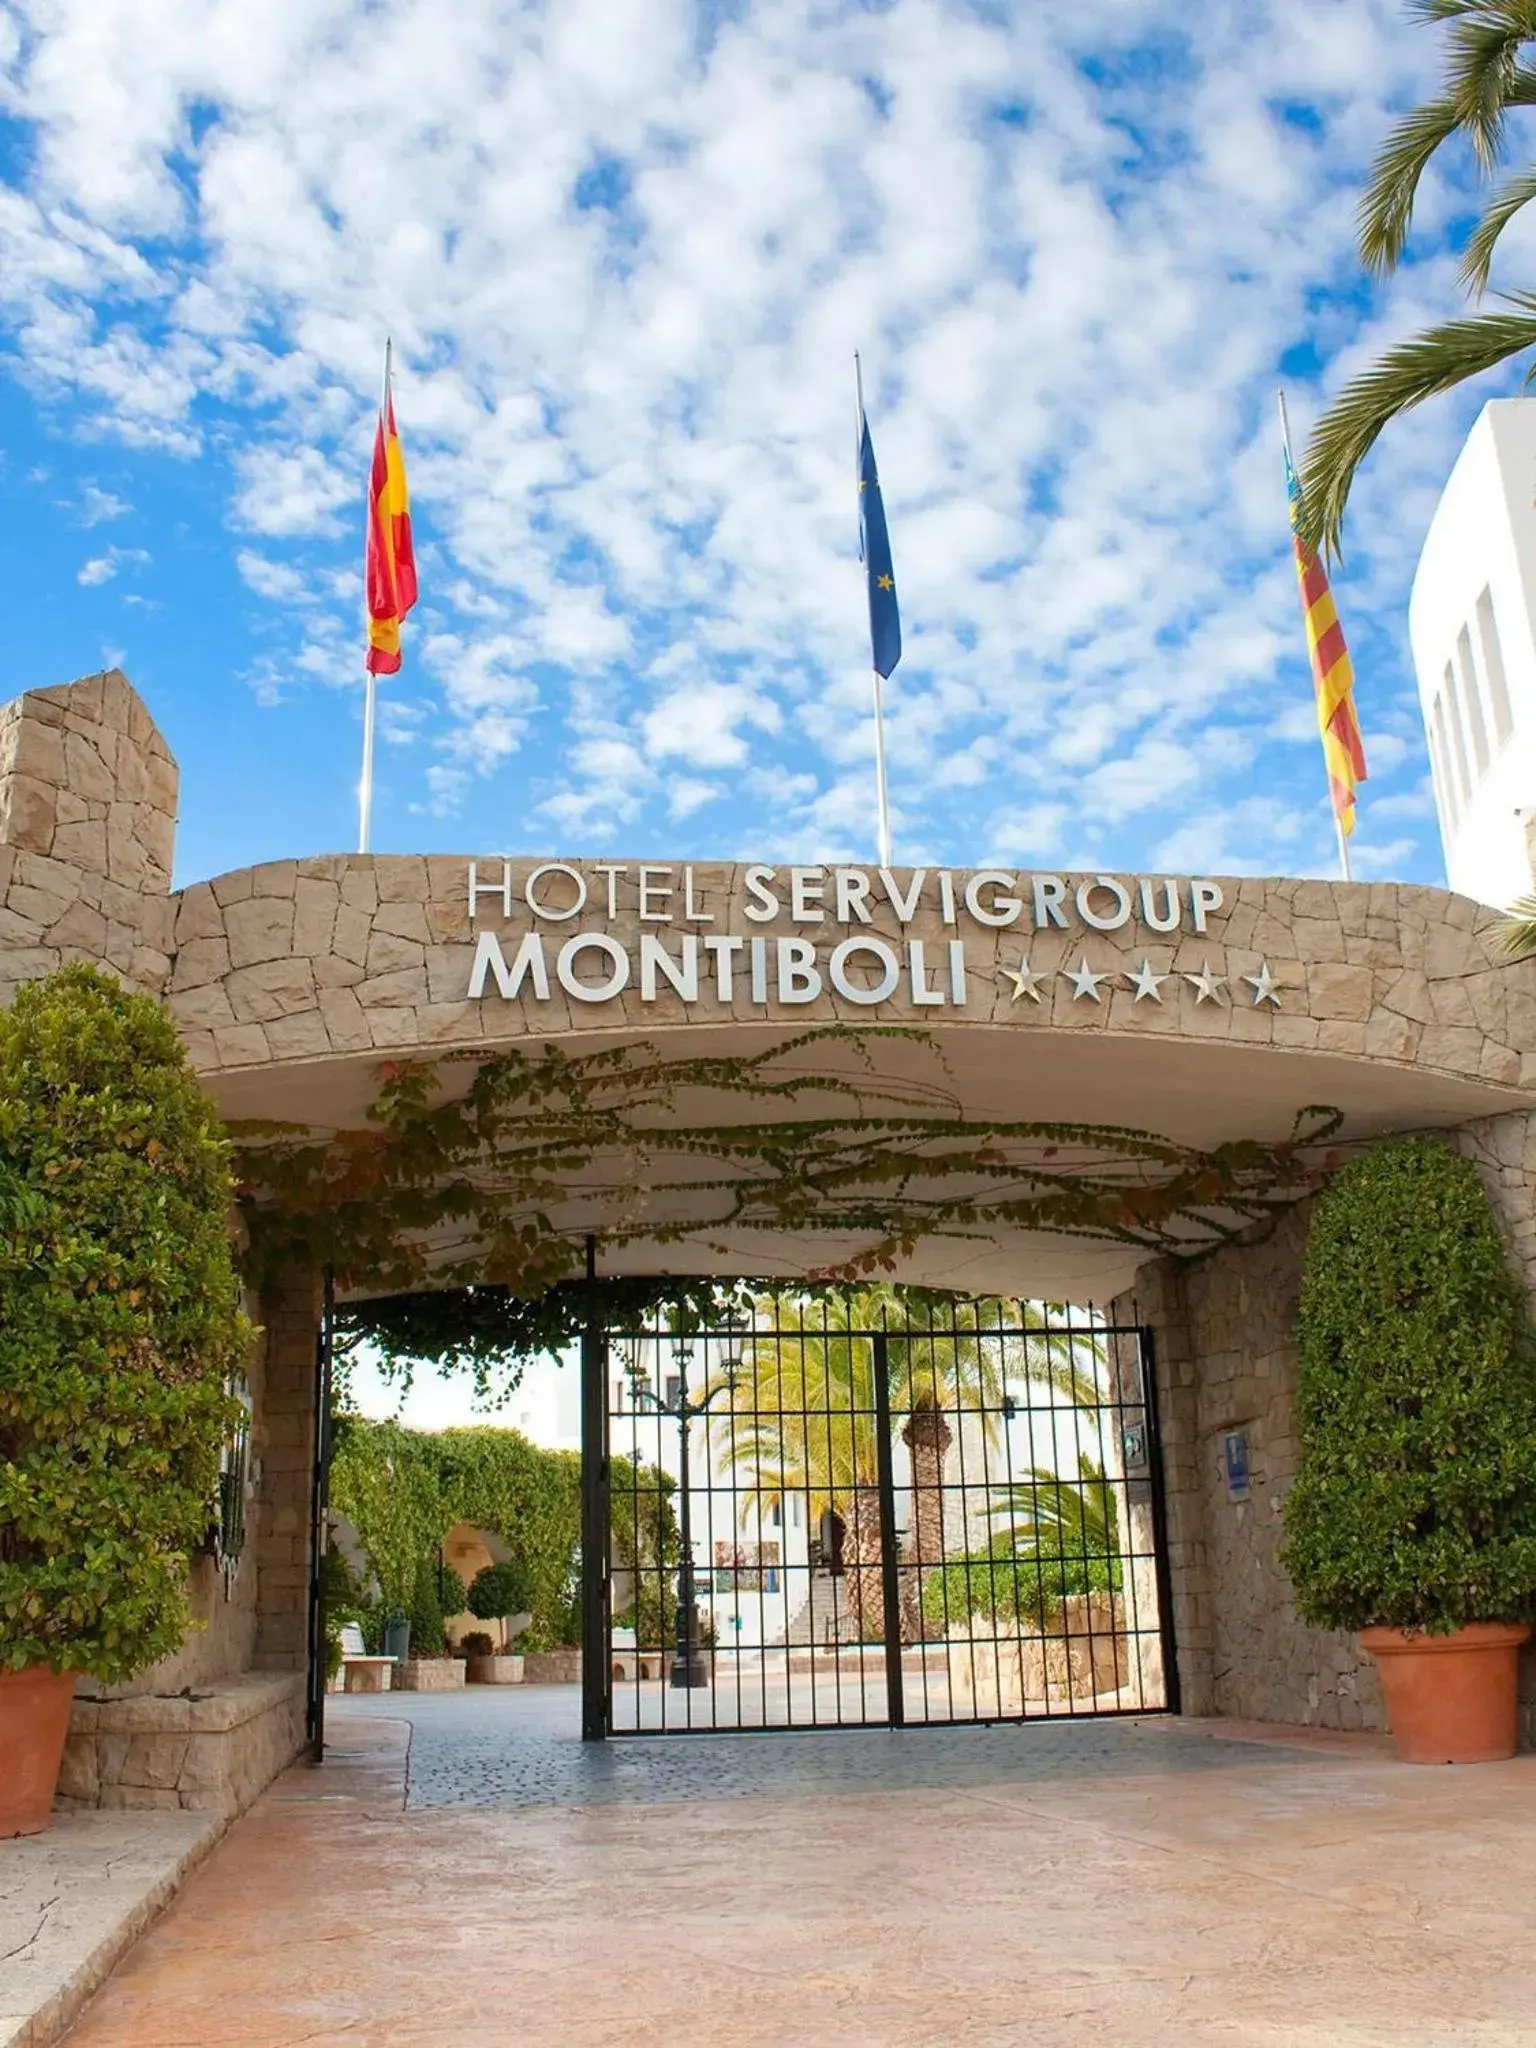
(389, 562)
(875, 548)
(1333, 677)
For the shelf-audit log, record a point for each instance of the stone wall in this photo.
(87, 829)
(343, 955)
(1225, 1334)
(290, 1316)
(211, 1751)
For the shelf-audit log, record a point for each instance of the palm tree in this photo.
(1064, 1533)
(1486, 75)
(802, 1415)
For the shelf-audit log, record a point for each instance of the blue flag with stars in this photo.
(875, 546)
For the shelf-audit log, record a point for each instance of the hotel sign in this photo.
(850, 938)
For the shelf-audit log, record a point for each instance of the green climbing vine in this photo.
(463, 1166)
(404, 1489)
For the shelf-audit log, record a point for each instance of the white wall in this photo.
(1472, 613)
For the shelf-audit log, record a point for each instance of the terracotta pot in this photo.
(1450, 1699)
(34, 1720)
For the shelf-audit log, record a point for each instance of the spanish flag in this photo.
(1333, 676)
(389, 562)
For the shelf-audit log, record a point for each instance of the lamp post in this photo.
(688, 1669)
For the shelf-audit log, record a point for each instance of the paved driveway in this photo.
(476, 1877)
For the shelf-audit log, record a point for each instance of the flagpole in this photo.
(882, 798)
(1338, 823)
(370, 680)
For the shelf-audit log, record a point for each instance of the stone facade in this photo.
(292, 981)
(306, 959)
(1224, 1329)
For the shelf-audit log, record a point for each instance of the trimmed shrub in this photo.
(1415, 1502)
(499, 1591)
(119, 1323)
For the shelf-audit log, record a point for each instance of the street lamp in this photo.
(687, 1664)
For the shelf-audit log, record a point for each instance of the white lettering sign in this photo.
(593, 966)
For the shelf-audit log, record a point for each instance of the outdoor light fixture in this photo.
(688, 1667)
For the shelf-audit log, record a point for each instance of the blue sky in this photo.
(626, 249)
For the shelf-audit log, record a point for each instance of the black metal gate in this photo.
(841, 1510)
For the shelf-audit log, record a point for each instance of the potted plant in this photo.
(1413, 1513)
(120, 1322)
(499, 1593)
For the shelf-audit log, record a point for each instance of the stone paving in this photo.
(1157, 1884)
(520, 1746)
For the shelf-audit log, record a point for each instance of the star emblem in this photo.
(885, 583)
(1025, 981)
(1145, 982)
(1205, 984)
(1084, 981)
(1265, 988)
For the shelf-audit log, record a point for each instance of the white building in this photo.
(1472, 624)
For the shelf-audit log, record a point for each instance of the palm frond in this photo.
(1517, 928)
(1485, 54)
(1386, 212)
(1434, 361)
(1477, 257)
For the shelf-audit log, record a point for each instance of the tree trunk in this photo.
(927, 1437)
(862, 1555)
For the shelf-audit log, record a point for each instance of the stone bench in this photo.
(367, 1674)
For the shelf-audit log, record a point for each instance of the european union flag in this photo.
(875, 539)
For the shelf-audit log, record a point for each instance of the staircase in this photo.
(823, 1616)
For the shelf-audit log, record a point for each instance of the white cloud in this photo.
(98, 506)
(279, 581)
(102, 568)
(292, 492)
(626, 268)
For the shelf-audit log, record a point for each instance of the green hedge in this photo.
(1414, 1505)
(119, 1324)
(1003, 1585)
(404, 1489)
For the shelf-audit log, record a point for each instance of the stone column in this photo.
(87, 829)
(290, 1317)
(1158, 1301)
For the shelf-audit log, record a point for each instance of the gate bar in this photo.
(595, 1701)
(890, 1588)
(1160, 1564)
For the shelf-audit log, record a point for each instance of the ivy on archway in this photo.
(450, 1188)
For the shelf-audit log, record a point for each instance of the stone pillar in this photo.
(290, 1317)
(1137, 1607)
(87, 830)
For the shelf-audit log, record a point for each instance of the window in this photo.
(1440, 754)
(1458, 734)
(1494, 677)
(1472, 703)
(776, 1515)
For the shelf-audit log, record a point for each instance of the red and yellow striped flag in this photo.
(1333, 676)
(389, 561)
